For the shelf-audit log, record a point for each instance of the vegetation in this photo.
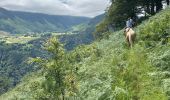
(105, 69)
(18, 39)
(13, 60)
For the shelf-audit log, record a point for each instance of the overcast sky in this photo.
(89, 8)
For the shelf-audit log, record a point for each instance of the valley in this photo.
(17, 47)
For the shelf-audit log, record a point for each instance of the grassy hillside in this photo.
(109, 70)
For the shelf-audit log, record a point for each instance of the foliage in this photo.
(120, 10)
(59, 78)
(157, 29)
(101, 30)
(13, 62)
(133, 77)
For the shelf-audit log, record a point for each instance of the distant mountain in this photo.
(85, 33)
(23, 22)
(94, 21)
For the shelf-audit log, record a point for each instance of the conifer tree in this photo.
(55, 70)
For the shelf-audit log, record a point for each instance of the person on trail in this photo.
(129, 33)
(129, 23)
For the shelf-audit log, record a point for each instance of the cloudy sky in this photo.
(89, 8)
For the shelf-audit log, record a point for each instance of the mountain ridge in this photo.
(11, 21)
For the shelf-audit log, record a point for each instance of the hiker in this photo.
(129, 33)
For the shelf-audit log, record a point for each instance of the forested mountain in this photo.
(106, 69)
(24, 22)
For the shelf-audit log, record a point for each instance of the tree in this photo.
(5, 83)
(167, 2)
(55, 70)
(4, 55)
(158, 5)
(146, 5)
(101, 30)
(120, 10)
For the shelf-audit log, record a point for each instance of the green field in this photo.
(19, 39)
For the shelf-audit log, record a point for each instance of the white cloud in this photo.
(89, 8)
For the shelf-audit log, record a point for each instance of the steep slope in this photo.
(110, 70)
(24, 22)
(13, 61)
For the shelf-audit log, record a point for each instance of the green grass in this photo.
(21, 39)
(109, 70)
